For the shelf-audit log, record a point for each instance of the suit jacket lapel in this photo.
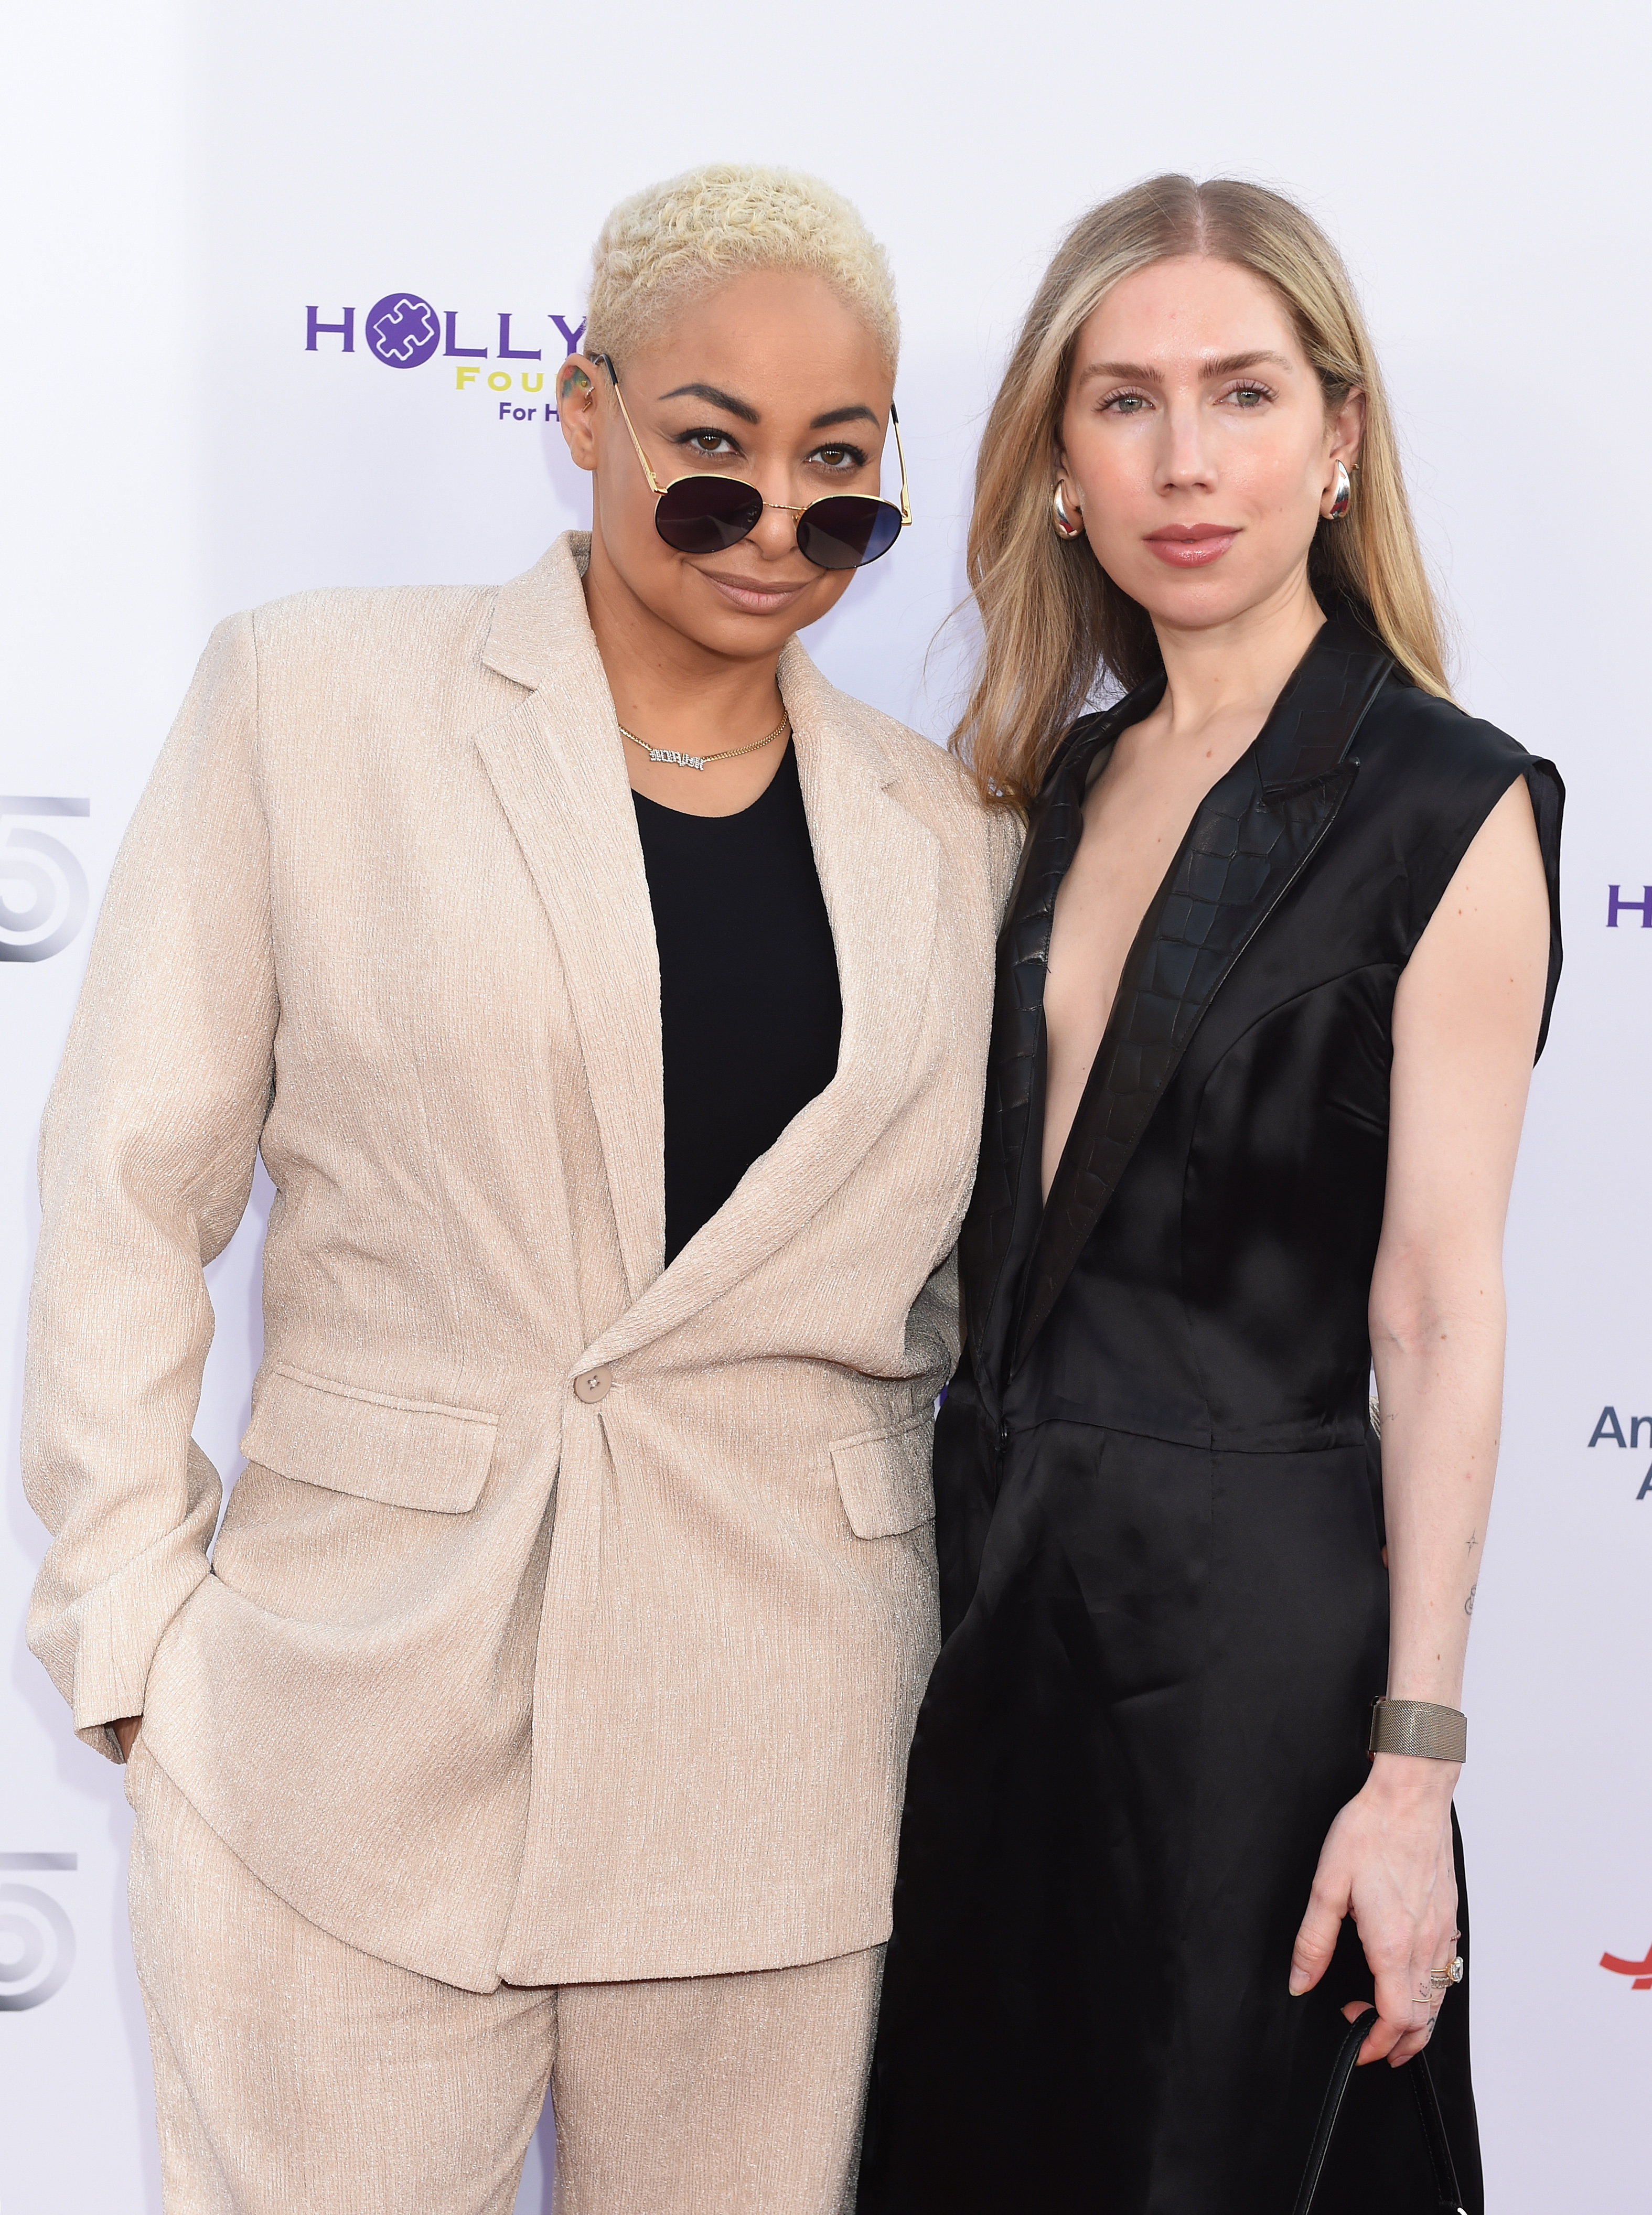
(1250, 838)
(879, 873)
(557, 769)
(1052, 835)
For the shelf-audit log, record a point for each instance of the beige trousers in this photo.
(294, 2075)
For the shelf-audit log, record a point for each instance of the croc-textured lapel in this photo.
(1251, 837)
(1052, 835)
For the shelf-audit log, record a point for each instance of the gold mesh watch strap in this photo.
(1419, 1726)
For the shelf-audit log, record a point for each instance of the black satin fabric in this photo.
(1163, 1601)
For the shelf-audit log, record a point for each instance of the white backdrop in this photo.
(184, 181)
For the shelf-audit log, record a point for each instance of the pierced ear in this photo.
(1350, 428)
(575, 380)
(576, 397)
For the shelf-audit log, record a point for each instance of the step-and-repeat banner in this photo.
(287, 288)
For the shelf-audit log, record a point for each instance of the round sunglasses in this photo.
(704, 514)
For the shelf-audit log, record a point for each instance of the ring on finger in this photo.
(1443, 1980)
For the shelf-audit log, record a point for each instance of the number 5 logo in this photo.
(56, 904)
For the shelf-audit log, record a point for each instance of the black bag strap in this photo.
(1348, 2055)
(1434, 2132)
(1433, 2127)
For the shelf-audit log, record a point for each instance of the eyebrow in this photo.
(726, 401)
(855, 414)
(1227, 365)
(747, 414)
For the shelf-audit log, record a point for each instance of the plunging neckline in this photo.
(1135, 952)
(1254, 832)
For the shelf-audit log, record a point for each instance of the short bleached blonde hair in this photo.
(664, 245)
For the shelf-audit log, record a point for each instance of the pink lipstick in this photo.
(1193, 545)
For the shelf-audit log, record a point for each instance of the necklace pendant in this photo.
(704, 761)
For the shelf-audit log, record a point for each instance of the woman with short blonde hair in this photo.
(1283, 945)
(537, 1719)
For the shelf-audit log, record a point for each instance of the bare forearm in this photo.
(1467, 1013)
(1440, 1380)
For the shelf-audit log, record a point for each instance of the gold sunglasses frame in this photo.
(688, 476)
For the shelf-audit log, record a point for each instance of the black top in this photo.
(1220, 1288)
(1163, 1601)
(749, 1011)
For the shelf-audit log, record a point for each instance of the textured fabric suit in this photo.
(1163, 1593)
(297, 2076)
(485, 1679)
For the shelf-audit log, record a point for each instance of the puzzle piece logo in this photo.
(402, 331)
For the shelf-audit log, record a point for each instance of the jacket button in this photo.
(593, 1385)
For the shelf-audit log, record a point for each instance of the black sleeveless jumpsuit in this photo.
(1164, 1604)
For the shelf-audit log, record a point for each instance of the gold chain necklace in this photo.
(704, 761)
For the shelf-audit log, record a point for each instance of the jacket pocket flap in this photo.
(884, 1477)
(407, 1453)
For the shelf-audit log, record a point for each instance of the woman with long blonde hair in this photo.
(1282, 949)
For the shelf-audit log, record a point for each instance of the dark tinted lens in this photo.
(847, 530)
(702, 515)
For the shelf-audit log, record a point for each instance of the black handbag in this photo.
(1415, 2071)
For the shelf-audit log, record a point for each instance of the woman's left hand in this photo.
(1387, 1862)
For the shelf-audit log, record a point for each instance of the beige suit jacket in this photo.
(487, 1675)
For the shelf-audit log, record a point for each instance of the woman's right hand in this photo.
(125, 1731)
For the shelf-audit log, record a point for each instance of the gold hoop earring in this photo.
(1064, 525)
(1340, 498)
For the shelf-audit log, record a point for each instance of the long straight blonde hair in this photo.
(1053, 622)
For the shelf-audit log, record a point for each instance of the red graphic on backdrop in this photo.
(1640, 1971)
